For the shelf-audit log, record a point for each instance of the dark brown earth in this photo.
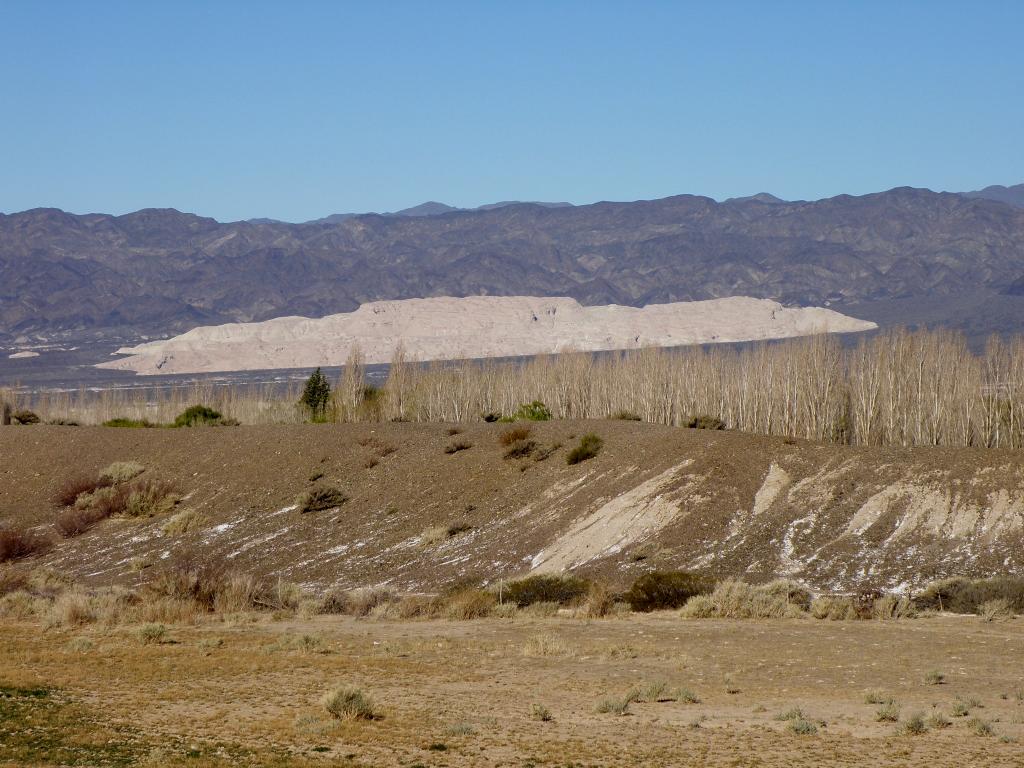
(731, 504)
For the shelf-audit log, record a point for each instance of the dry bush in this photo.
(470, 603)
(188, 581)
(70, 489)
(121, 472)
(182, 522)
(835, 608)
(732, 599)
(238, 593)
(999, 608)
(18, 542)
(600, 601)
(320, 498)
(435, 534)
(561, 590)
(961, 595)
(361, 601)
(541, 610)
(12, 580)
(514, 435)
(520, 449)
(75, 521)
(148, 498)
(548, 646)
(349, 704)
(22, 604)
(660, 590)
(893, 607)
(457, 445)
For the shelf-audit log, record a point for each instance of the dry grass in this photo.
(120, 472)
(17, 543)
(514, 435)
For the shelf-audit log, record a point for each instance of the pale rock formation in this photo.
(474, 327)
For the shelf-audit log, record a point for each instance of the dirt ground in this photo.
(462, 693)
(732, 504)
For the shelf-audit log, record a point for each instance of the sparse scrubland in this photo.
(359, 593)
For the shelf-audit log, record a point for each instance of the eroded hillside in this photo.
(837, 518)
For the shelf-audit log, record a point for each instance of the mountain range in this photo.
(908, 256)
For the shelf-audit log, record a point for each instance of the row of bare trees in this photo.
(895, 388)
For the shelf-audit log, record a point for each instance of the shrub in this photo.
(590, 445)
(876, 697)
(600, 601)
(535, 411)
(615, 706)
(733, 599)
(546, 451)
(349, 704)
(457, 445)
(938, 720)
(469, 603)
(201, 416)
(980, 727)
(18, 543)
(961, 595)
(320, 498)
(184, 521)
(120, 472)
(152, 633)
(665, 589)
(24, 417)
(362, 600)
(540, 713)
(802, 727)
(705, 422)
(934, 678)
(542, 588)
(75, 521)
(548, 646)
(520, 449)
(625, 416)
(149, 498)
(189, 582)
(893, 607)
(687, 696)
(125, 422)
(68, 491)
(991, 610)
(834, 608)
(514, 435)
(913, 725)
(889, 712)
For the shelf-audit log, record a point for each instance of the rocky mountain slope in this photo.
(417, 517)
(902, 255)
(474, 327)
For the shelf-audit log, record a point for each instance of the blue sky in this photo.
(297, 110)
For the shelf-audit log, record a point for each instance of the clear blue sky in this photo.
(295, 110)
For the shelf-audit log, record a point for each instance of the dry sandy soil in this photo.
(731, 504)
(460, 694)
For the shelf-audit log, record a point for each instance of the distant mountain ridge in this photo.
(902, 256)
(429, 208)
(1010, 195)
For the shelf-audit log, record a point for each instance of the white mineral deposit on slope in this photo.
(475, 327)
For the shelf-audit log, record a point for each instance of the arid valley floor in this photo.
(524, 688)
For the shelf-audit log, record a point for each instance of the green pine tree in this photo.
(316, 395)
